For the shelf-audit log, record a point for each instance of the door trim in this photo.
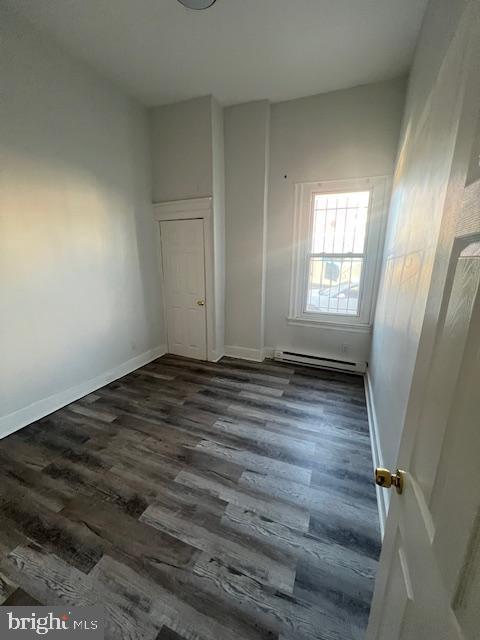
(383, 497)
(193, 209)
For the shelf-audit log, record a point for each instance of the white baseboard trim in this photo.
(41, 408)
(383, 497)
(268, 352)
(244, 353)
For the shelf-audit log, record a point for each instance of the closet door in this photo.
(183, 258)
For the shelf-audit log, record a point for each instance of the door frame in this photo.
(193, 209)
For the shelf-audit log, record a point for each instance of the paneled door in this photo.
(428, 584)
(183, 261)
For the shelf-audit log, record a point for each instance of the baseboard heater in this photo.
(319, 361)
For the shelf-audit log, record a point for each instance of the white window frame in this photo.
(375, 231)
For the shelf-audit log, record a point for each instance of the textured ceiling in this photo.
(238, 50)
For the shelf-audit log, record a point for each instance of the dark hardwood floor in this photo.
(228, 501)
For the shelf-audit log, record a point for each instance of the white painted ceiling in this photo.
(238, 50)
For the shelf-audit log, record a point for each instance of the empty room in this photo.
(240, 319)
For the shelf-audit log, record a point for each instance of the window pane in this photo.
(339, 222)
(333, 285)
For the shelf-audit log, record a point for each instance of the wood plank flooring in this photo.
(227, 501)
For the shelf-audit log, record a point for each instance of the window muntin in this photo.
(336, 255)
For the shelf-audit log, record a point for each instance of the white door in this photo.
(183, 259)
(428, 582)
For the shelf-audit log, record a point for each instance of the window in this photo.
(335, 259)
(338, 232)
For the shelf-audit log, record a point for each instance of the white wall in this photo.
(78, 286)
(218, 192)
(182, 150)
(422, 176)
(344, 134)
(247, 128)
(474, 165)
(188, 162)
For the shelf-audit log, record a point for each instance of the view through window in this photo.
(336, 252)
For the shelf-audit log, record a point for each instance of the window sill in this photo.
(351, 327)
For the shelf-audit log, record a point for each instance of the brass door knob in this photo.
(201, 303)
(386, 479)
